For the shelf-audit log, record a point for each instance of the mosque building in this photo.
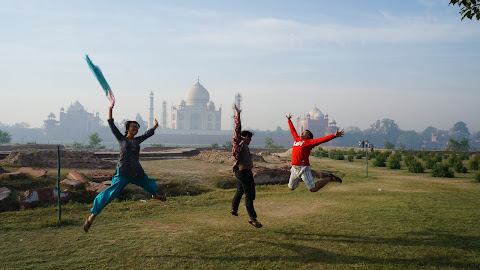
(196, 112)
(74, 123)
(317, 122)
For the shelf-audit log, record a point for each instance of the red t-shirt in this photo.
(302, 148)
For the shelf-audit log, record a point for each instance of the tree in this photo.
(389, 145)
(95, 141)
(468, 8)
(410, 139)
(427, 133)
(461, 145)
(269, 143)
(228, 145)
(459, 131)
(5, 137)
(382, 131)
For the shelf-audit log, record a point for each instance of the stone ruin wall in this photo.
(48, 159)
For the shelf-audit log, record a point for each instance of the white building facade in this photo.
(196, 112)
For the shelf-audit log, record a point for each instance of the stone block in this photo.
(32, 172)
(33, 196)
(4, 193)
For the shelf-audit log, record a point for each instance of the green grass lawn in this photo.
(414, 222)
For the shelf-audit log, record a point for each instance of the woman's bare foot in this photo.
(88, 223)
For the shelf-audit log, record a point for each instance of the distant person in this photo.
(361, 144)
(129, 169)
(371, 147)
(242, 166)
(302, 147)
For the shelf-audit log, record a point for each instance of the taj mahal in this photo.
(197, 112)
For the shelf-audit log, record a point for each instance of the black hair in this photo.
(310, 133)
(127, 126)
(246, 133)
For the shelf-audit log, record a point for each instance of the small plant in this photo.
(213, 145)
(350, 158)
(156, 145)
(78, 145)
(442, 170)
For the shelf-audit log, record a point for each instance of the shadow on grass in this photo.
(299, 253)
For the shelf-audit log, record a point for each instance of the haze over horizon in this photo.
(413, 61)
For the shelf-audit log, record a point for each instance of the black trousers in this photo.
(246, 186)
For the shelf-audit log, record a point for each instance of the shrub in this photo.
(373, 154)
(458, 166)
(442, 170)
(394, 161)
(339, 156)
(350, 152)
(416, 167)
(438, 157)
(473, 164)
(421, 154)
(379, 161)
(350, 158)
(452, 159)
(429, 163)
(477, 177)
(408, 159)
(464, 156)
(359, 155)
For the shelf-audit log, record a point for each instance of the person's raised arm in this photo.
(110, 112)
(113, 128)
(339, 133)
(238, 126)
(292, 128)
(156, 124)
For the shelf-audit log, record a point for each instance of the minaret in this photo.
(238, 102)
(150, 119)
(164, 114)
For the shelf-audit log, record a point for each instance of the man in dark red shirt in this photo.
(242, 166)
(302, 147)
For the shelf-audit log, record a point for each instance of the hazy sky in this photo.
(412, 61)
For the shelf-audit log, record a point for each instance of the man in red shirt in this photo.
(302, 147)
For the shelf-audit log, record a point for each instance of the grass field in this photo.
(392, 219)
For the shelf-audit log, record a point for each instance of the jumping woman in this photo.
(129, 169)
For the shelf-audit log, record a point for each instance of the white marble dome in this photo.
(211, 105)
(315, 113)
(76, 107)
(197, 95)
